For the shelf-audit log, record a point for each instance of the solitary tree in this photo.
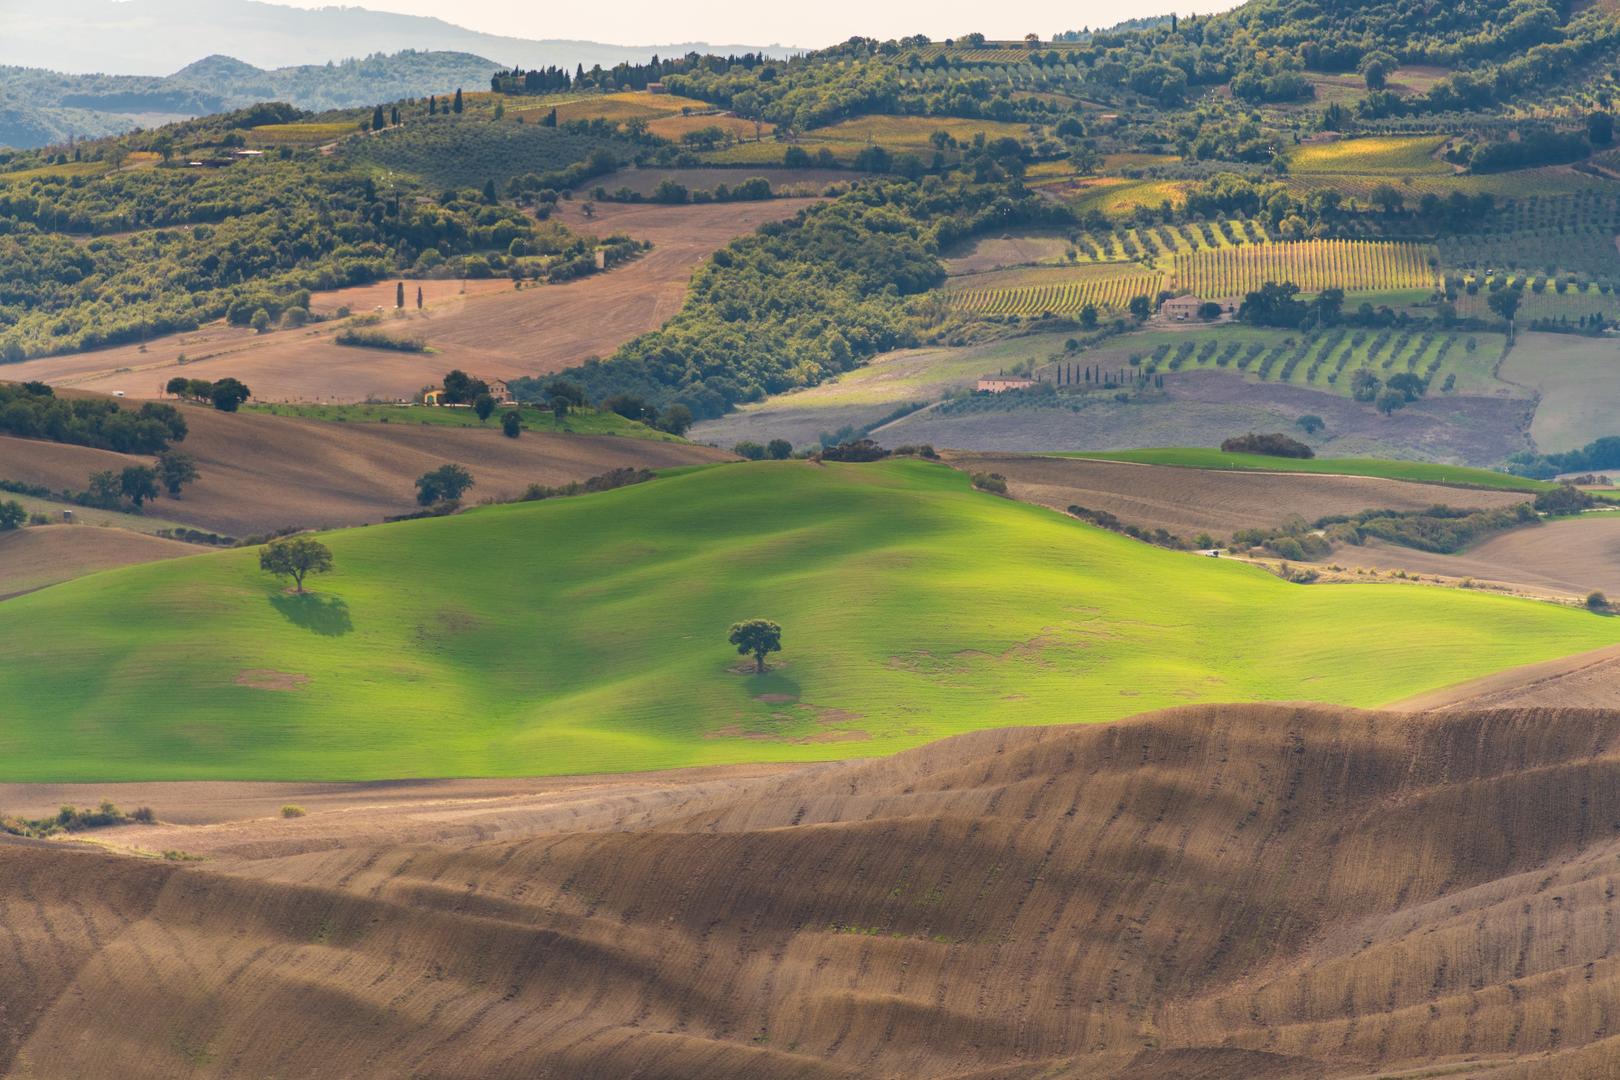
(296, 557)
(137, 483)
(399, 295)
(779, 449)
(176, 469)
(1310, 423)
(419, 298)
(484, 406)
(1141, 307)
(1595, 601)
(455, 106)
(163, 146)
(444, 484)
(12, 515)
(378, 122)
(512, 424)
(759, 637)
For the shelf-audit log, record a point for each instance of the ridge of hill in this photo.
(1236, 890)
(589, 635)
(163, 35)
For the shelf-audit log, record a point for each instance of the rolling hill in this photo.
(1234, 891)
(588, 635)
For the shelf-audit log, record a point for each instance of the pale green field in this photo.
(1578, 379)
(588, 634)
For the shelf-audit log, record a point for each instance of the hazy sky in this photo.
(820, 22)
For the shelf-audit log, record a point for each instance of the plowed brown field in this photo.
(42, 555)
(262, 472)
(1188, 501)
(490, 330)
(1239, 891)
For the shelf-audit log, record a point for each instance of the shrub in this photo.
(373, 339)
(1564, 499)
(291, 811)
(859, 450)
(749, 449)
(994, 483)
(1275, 444)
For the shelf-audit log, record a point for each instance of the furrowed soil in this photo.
(1566, 559)
(1218, 891)
(1189, 501)
(484, 327)
(42, 555)
(260, 473)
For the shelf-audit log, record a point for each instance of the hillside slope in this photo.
(589, 635)
(1234, 891)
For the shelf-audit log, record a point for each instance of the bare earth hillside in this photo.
(42, 555)
(1190, 500)
(1237, 891)
(261, 472)
(488, 329)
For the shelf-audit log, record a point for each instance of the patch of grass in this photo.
(1422, 472)
(588, 634)
(578, 422)
(1387, 155)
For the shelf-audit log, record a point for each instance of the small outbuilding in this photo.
(1000, 386)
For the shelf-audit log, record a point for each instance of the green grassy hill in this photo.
(588, 634)
(1421, 472)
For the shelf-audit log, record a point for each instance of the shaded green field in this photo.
(588, 634)
(1422, 472)
(578, 422)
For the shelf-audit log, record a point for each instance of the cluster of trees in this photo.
(32, 410)
(1596, 456)
(226, 395)
(140, 484)
(1272, 445)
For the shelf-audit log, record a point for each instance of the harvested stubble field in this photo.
(1567, 559)
(261, 473)
(1220, 891)
(1189, 501)
(42, 555)
(494, 331)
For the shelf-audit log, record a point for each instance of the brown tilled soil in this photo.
(490, 330)
(1225, 891)
(42, 555)
(1567, 559)
(1587, 681)
(1189, 501)
(262, 472)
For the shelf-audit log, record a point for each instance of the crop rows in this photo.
(1319, 359)
(1067, 298)
(1313, 265)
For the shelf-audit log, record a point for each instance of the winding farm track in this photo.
(1230, 891)
(490, 329)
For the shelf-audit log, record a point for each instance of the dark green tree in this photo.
(445, 484)
(484, 406)
(176, 469)
(378, 121)
(228, 394)
(758, 637)
(12, 515)
(399, 295)
(138, 483)
(455, 106)
(1505, 302)
(512, 424)
(296, 557)
(1141, 307)
(779, 449)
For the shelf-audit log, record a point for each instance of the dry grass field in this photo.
(1219, 891)
(1190, 501)
(262, 472)
(42, 555)
(491, 330)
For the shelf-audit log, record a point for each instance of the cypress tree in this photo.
(433, 105)
(394, 116)
(455, 106)
(399, 295)
(419, 298)
(377, 121)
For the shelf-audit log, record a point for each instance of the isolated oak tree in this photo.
(758, 637)
(444, 484)
(176, 469)
(295, 558)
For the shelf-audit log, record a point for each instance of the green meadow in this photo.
(1421, 472)
(589, 634)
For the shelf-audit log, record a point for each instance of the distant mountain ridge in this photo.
(40, 108)
(153, 37)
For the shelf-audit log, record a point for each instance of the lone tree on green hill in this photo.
(758, 637)
(444, 484)
(296, 557)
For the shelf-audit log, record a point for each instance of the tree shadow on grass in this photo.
(327, 616)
